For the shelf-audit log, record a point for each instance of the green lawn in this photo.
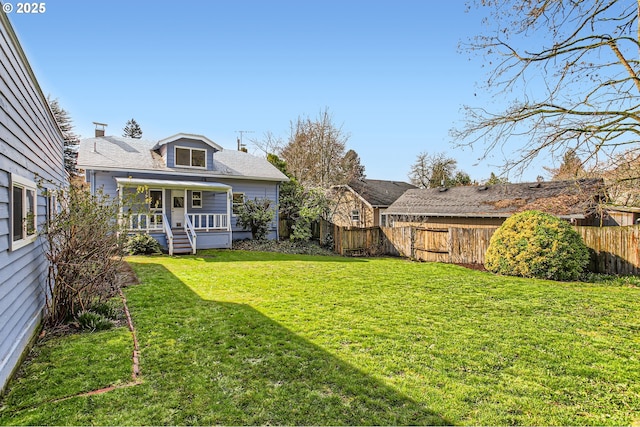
(231, 337)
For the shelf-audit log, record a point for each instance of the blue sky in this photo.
(388, 71)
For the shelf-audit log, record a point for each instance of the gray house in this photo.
(192, 186)
(31, 162)
(576, 201)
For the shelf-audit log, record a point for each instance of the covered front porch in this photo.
(182, 215)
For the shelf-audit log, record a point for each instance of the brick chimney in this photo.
(100, 129)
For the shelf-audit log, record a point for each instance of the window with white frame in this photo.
(383, 219)
(237, 201)
(355, 215)
(191, 157)
(155, 200)
(23, 212)
(196, 199)
(155, 208)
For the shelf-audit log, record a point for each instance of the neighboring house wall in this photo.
(347, 205)
(31, 156)
(361, 202)
(622, 216)
(446, 222)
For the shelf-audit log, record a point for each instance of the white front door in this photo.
(177, 208)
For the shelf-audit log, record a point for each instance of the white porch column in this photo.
(186, 211)
(229, 199)
(164, 204)
(121, 208)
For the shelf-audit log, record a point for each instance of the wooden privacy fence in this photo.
(614, 250)
(452, 245)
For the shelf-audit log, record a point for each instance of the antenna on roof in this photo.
(241, 146)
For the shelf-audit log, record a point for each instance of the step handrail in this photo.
(167, 231)
(191, 232)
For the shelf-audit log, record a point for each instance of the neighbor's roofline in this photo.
(348, 187)
(475, 215)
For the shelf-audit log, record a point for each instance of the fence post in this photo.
(412, 236)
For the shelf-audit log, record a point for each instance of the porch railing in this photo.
(146, 221)
(158, 222)
(208, 221)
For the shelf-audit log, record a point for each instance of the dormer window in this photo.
(191, 157)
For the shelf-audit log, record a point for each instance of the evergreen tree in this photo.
(132, 130)
(71, 140)
(352, 168)
(494, 180)
(571, 168)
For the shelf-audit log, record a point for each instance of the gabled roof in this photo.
(196, 137)
(570, 199)
(115, 153)
(377, 193)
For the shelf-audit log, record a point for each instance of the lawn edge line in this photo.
(135, 375)
(136, 346)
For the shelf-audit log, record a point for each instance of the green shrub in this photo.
(91, 321)
(535, 244)
(256, 215)
(110, 309)
(142, 244)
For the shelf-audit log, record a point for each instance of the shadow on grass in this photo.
(206, 362)
(224, 363)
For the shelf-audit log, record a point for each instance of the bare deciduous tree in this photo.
(436, 170)
(269, 143)
(582, 59)
(315, 151)
(623, 179)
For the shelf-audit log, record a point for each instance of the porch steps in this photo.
(181, 243)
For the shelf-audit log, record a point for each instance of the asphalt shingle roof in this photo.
(130, 154)
(562, 198)
(380, 193)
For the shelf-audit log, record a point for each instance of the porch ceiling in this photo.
(174, 184)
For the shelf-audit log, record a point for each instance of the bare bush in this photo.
(84, 252)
